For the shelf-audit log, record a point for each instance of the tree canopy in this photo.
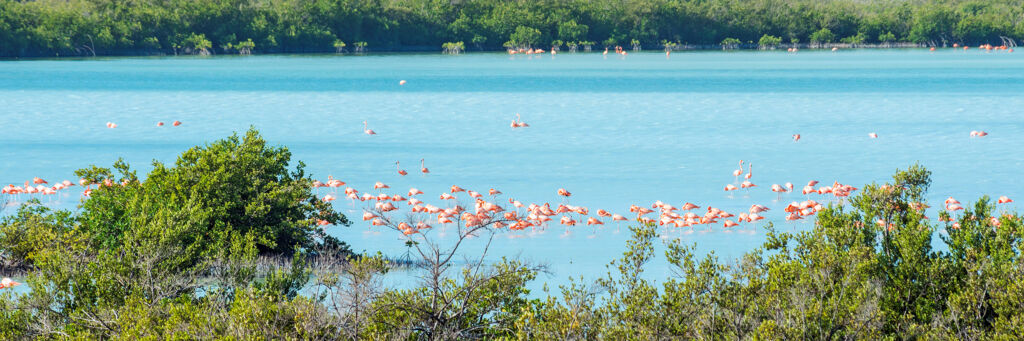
(106, 27)
(235, 185)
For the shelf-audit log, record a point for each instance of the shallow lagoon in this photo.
(612, 130)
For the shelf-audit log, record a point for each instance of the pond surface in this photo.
(613, 130)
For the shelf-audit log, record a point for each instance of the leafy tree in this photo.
(524, 37)
(610, 42)
(236, 185)
(769, 42)
(571, 31)
(730, 43)
(932, 24)
(245, 47)
(479, 41)
(668, 45)
(887, 38)
(854, 39)
(572, 45)
(453, 47)
(587, 45)
(197, 44)
(822, 36)
(556, 45)
(29, 231)
(976, 29)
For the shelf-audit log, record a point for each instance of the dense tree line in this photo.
(177, 256)
(111, 27)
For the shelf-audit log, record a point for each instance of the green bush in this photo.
(238, 184)
(769, 41)
(524, 37)
(860, 38)
(30, 230)
(730, 43)
(822, 36)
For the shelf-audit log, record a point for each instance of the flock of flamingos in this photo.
(531, 215)
(619, 50)
(521, 216)
(487, 210)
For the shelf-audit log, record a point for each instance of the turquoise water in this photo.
(612, 130)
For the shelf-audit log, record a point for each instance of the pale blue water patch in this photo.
(612, 130)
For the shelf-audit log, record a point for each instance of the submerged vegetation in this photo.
(106, 27)
(176, 256)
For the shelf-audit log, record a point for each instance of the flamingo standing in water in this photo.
(747, 184)
(738, 172)
(423, 169)
(796, 137)
(518, 123)
(367, 130)
(778, 189)
(750, 171)
(401, 171)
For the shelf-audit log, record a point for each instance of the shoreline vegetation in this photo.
(79, 28)
(431, 50)
(181, 254)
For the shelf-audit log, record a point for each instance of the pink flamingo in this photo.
(736, 173)
(367, 130)
(401, 171)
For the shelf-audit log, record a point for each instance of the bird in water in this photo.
(736, 173)
(401, 171)
(367, 130)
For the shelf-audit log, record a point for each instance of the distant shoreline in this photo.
(433, 50)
